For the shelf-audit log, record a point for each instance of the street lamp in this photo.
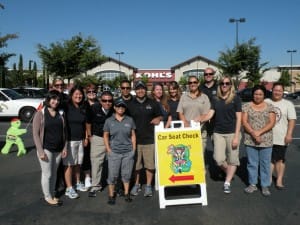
(237, 21)
(291, 52)
(119, 57)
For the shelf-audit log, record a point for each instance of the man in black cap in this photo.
(146, 114)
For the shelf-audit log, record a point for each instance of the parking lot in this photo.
(20, 199)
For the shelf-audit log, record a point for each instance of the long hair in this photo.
(175, 85)
(232, 93)
(53, 94)
(163, 100)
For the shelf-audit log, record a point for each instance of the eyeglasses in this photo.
(225, 83)
(58, 85)
(192, 82)
(206, 74)
(93, 92)
(106, 100)
(127, 88)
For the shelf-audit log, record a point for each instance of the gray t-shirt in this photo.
(119, 133)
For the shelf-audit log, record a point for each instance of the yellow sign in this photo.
(180, 157)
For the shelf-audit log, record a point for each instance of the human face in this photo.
(158, 92)
(106, 102)
(91, 94)
(173, 92)
(208, 75)
(120, 110)
(125, 89)
(225, 86)
(77, 97)
(277, 93)
(59, 86)
(258, 96)
(193, 84)
(53, 103)
(140, 92)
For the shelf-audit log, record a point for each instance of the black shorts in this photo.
(278, 153)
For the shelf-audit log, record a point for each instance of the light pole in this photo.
(119, 57)
(291, 70)
(237, 21)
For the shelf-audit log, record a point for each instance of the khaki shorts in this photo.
(74, 153)
(223, 152)
(145, 157)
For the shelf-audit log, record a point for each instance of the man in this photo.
(282, 131)
(96, 117)
(146, 114)
(125, 93)
(58, 84)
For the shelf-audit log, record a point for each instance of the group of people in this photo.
(82, 130)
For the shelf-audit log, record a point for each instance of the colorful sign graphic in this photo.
(180, 157)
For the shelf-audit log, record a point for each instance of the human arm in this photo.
(184, 120)
(168, 123)
(133, 140)
(289, 134)
(106, 141)
(235, 140)
(36, 127)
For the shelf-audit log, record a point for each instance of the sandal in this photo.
(250, 189)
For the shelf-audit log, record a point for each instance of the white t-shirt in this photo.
(285, 111)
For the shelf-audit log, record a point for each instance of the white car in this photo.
(13, 104)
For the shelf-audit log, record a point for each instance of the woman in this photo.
(76, 118)
(49, 135)
(258, 119)
(120, 142)
(227, 108)
(91, 98)
(194, 106)
(159, 95)
(173, 100)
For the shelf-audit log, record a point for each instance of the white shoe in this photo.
(87, 182)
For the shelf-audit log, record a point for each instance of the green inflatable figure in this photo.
(12, 137)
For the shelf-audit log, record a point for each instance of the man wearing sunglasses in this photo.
(96, 117)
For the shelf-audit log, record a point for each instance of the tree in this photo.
(243, 58)
(4, 56)
(285, 78)
(71, 57)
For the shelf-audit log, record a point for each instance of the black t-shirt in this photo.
(53, 132)
(225, 114)
(76, 118)
(142, 114)
(209, 91)
(96, 117)
(173, 109)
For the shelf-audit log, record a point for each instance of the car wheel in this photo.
(26, 113)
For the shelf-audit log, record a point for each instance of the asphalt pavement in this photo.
(21, 204)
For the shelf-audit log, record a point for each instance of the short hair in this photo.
(107, 93)
(58, 79)
(53, 94)
(259, 87)
(278, 84)
(125, 81)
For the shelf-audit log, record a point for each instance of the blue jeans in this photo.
(259, 158)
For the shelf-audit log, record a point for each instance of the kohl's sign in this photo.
(155, 75)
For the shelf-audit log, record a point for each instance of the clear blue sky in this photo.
(154, 34)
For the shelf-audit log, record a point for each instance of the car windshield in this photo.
(12, 94)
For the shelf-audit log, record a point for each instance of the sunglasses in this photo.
(93, 92)
(206, 74)
(225, 83)
(58, 85)
(106, 100)
(193, 82)
(127, 88)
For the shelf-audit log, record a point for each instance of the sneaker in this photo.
(265, 191)
(71, 193)
(87, 182)
(135, 190)
(227, 189)
(148, 191)
(128, 198)
(80, 187)
(250, 189)
(111, 200)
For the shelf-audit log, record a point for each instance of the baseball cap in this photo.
(140, 84)
(120, 102)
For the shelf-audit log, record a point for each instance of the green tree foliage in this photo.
(72, 57)
(285, 78)
(85, 80)
(244, 57)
